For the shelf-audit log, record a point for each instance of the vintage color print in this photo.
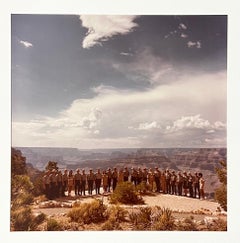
(142, 99)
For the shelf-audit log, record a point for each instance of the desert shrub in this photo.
(22, 199)
(221, 192)
(187, 224)
(218, 225)
(93, 212)
(53, 225)
(152, 218)
(117, 213)
(126, 193)
(20, 184)
(141, 219)
(40, 198)
(111, 224)
(38, 219)
(163, 219)
(144, 188)
(21, 219)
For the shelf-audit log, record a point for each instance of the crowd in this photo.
(58, 184)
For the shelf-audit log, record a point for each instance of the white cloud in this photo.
(146, 126)
(122, 118)
(147, 65)
(192, 44)
(184, 35)
(126, 54)
(26, 43)
(195, 122)
(182, 26)
(103, 27)
(190, 122)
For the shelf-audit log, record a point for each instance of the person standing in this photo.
(185, 183)
(125, 174)
(144, 179)
(134, 175)
(157, 176)
(98, 181)
(53, 184)
(201, 186)
(151, 179)
(139, 176)
(46, 184)
(168, 181)
(196, 185)
(64, 182)
(120, 176)
(163, 182)
(70, 182)
(173, 183)
(179, 183)
(83, 182)
(109, 174)
(90, 180)
(59, 183)
(105, 182)
(114, 178)
(190, 184)
(77, 182)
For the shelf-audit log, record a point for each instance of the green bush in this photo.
(53, 225)
(221, 192)
(93, 212)
(21, 219)
(126, 193)
(221, 196)
(22, 200)
(38, 219)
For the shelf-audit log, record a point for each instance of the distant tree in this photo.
(20, 182)
(18, 163)
(52, 165)
(22, 197)
(221, 192)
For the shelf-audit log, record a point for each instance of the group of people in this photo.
(57, 184)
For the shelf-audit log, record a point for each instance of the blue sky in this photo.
(105, 81)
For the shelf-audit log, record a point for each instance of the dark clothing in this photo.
(83, 187)
(77, 187)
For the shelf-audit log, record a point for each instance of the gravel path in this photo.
(175, 203)
(178, 203)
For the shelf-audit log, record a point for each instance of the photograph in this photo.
(119, 122)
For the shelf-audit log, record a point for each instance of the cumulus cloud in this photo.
(195, 122)
(103, 27)
(164, 115)
(26, 44)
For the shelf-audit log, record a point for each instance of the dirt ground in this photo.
(175, 203)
